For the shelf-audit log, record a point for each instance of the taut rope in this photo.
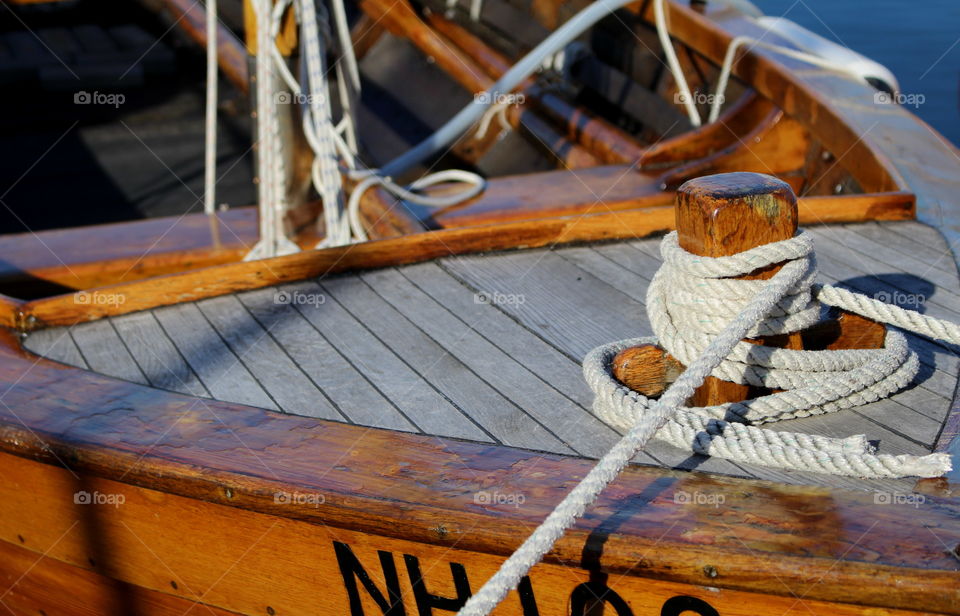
(702, 321)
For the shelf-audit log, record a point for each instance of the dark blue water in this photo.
(918, 40)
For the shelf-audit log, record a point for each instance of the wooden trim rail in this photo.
(199, 480)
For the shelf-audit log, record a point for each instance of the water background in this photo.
(918, 40)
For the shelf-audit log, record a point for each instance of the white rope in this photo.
(271, 173)
(335, 144)
(686, 98)
(730, 56)
(828, 381)
(498, 111)
(210, 138)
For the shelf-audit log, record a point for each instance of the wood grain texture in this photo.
(155, 354)
(827, 542)
(217, 367)
(501, 417)
(725, 214)
(425, 407)
(88, 257)
(159, 547)
(41, 584)
(237, 276)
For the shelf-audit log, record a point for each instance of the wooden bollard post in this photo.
(728, 213)
(721, 215)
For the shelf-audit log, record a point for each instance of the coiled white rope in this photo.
(693, 324)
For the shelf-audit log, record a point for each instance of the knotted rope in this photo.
(706, 333)
(690, 301)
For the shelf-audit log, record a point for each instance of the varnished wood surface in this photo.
(37, 583)
(497, 337)
(388, 486)
(87, 257)
(178, 551)
(213, 281)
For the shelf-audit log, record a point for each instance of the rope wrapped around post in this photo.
(770, 280)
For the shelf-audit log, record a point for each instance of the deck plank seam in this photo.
(505, 352)
(283, 350)
(893, 228)
(349, 361)
(947, 266)
(239, 360)
(399, 358)
(442, 264)
(163, 330)
(73, 340)
(835, 248)
(126, 347)
(875, 252)
(472, 371)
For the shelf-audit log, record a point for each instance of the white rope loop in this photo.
(693, 299)
(826, 381)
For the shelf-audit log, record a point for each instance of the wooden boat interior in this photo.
(149, 359)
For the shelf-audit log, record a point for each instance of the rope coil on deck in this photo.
(685, 287)
(691, 299)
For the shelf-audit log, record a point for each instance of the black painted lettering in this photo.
(590, 597)
(352, 570)
(674, 606)
(427, 602)
(528, 602)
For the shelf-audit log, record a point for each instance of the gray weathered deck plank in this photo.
(266, 360)
(105, 353)
(577, 428)
(910, 242)
(556, 297)
(55, 344)
(555, 368)
(427, 408)
(156, 354)
(353, 395)
(498, 416)
(217, 367)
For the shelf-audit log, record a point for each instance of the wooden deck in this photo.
(487, 348)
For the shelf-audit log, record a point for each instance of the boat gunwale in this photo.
(63, 412)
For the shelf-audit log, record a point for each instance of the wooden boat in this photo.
(374, 428)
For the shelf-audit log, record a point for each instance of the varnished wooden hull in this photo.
(241, 509)
(122, 499)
